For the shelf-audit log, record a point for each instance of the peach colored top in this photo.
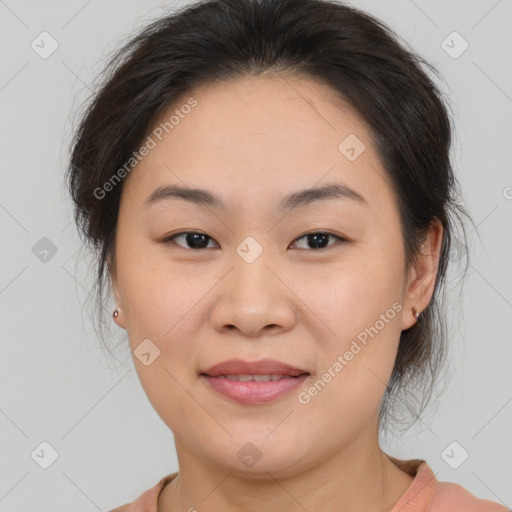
(425, 494)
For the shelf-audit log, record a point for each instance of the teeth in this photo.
(258, 378)
(261, 377)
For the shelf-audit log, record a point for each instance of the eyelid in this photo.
(170, 239)
(339, 239)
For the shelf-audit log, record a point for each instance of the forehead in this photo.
(259, 136)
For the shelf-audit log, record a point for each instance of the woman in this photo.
(268, 187)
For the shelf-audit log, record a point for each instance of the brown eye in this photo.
(319, 240)
(193, 240)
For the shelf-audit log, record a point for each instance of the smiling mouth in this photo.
(255, 377)
(250, 389)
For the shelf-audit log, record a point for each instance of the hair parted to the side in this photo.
(327, 41)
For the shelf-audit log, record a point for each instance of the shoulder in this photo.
(428, 494)
(147, 501)
(451, 497)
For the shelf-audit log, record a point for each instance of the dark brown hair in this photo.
(358, 56)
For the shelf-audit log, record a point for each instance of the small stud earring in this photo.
(115, 314)
(415, 313)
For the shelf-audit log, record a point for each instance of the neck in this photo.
(358, 477)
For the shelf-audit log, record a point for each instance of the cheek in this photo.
(157, 294)
(167, 309)
(351, 295)
(362, 310)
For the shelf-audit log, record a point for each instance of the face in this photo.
(318, 284)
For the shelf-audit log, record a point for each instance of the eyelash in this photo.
(338, 239)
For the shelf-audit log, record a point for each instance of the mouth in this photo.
(255, 377)
(263, 367)
(256, 382)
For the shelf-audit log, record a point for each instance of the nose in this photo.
(254, 299)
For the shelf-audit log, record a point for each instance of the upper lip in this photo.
(261, 367)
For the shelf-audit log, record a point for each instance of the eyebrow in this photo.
(289, 202)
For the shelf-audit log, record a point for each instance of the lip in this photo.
(254, 392)
(261, 367)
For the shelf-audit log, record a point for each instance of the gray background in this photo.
(56, 384)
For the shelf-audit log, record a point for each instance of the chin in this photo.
(257, 455)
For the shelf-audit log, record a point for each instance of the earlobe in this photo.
(117, 319)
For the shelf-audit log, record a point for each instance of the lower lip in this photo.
(255, 392)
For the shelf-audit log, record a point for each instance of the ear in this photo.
(422, 276)
(117, 296)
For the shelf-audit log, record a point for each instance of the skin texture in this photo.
(251, 141)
